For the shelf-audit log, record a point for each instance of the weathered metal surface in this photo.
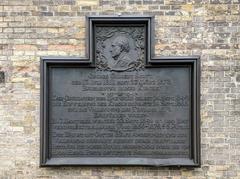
(119, 107)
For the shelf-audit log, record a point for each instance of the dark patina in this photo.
(121, 105)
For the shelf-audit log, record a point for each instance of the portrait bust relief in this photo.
(120, 48)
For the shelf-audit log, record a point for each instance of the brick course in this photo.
(30, 29)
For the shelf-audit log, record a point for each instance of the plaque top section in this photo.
(125, 32)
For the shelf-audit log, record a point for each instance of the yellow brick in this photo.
(187, 7)
(53, 30)
(186, 173)
(64, 8)
(87, 2)
(18, 80)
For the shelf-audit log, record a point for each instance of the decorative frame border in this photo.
(193, 62)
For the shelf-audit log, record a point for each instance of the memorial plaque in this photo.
(119, 107)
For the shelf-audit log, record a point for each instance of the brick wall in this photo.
(33, 28)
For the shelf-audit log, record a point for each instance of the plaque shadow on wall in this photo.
(121, 105)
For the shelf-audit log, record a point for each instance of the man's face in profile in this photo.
(115, 50)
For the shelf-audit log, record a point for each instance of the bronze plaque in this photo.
(120, 108)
